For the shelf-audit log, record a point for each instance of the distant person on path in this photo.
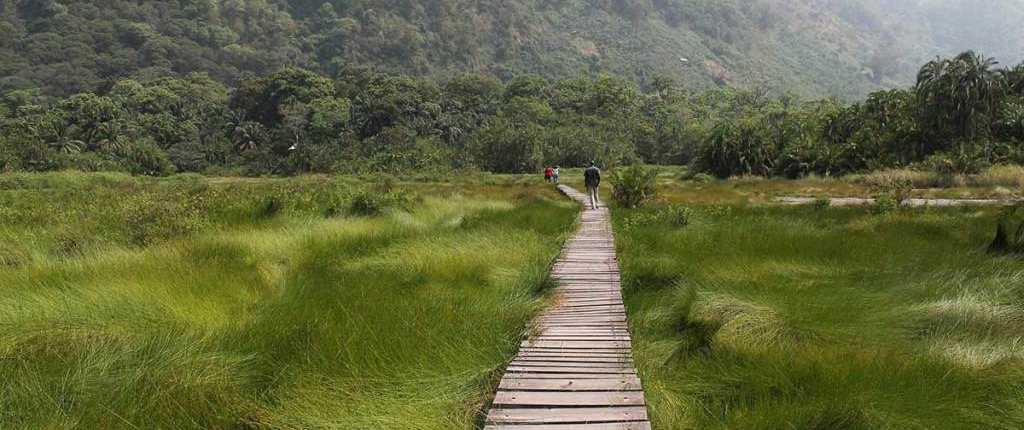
(555, 173)
(592, 179)
(548, 173)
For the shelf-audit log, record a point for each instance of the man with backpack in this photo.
(592, 179)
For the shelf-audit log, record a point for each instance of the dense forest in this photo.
(964, 113)
(811, 48)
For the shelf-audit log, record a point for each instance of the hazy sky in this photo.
(992, 27)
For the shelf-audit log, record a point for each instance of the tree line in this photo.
(962, 114)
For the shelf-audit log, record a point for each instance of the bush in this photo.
(672, 215)
(632, 186)
(822, 204)
(150, 219)
(970, 162)
(885, 204)
(738, 148)
(1010, 230)
(703, 178)
(896, 188)
(366, 202)
(999, 176)
(917, 179)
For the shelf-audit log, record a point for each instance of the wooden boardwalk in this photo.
(577, 373)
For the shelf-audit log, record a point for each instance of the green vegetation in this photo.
(847, 47)
(191, 303)
(632, 186)
(821, 317)
(1010, 230)
(963, 116)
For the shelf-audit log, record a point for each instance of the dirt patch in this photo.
(717, 70)
(857, 201)
(586, 47)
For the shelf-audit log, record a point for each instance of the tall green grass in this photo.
(802, 318)
(273, 312)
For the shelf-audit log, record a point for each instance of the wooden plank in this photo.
(584, 331)
(625, 383)
(616, 365)
(553, 337)
(574, 398)
(574, 375)
(582, 352)
(566, 415)
(570, 354)
(570, 369)
(623, 358)
(638, 425)
(578, 344)
(582, 314)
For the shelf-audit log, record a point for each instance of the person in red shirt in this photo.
(548, 173)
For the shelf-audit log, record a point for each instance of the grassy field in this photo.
(759, 317)
(187, 303)
(221, 303)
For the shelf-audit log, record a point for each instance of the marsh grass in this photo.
(825, 318)
(995, 181)
(268, 313)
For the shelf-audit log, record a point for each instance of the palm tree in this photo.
(248, 136)
(1015, 79)
(961, 95)
(111, 135)
(61, 138)
(371, 115)
(447, 127)
(841, 124)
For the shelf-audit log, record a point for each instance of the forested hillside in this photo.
(963, 114)
(846, 47)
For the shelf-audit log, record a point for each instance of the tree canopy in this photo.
(963, 113)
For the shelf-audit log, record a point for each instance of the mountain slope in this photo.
(815, 47)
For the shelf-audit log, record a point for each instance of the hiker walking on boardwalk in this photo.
(548, 173)
(555, 173)
(592, 179)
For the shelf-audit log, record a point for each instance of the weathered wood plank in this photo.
(572, 361)
(577, 344)
(570, 369)
(577, 398)
(567, 415)
(615, 365)
(573, 354)
(625, 383)
(540, 375)
(638, 425)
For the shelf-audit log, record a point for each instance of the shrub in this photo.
(693, 333)
(743, 147)
(885, 204)
(822, 204)
(895, 187)
(703, 178)
(917, 178)
(269, 207)
(952, 164)
(672, 216)
(149, 219)
(1010, 230)
(1001, 176)
(371, 202)
(632, 186)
